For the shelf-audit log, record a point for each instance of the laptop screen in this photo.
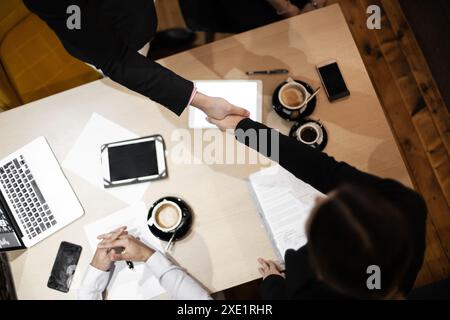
(8, 236)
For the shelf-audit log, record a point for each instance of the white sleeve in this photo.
(178, 284)
(93, 284)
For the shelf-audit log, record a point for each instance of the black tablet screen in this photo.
(133, 161)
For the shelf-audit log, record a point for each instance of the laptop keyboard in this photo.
(28, 202)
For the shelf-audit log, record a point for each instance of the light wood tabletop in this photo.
(227, 235)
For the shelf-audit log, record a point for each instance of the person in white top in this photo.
(118, 246)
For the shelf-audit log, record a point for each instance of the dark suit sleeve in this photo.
(314, 167)
(300, 282)
(273, 288)
(146, 77)
(97, 44)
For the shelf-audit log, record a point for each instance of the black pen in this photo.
(130, 265)
(275, 71)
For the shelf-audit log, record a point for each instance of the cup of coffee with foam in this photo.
(293, 95)
(167, 216)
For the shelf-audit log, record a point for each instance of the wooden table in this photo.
(227, 236)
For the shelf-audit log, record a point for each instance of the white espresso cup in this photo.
(309, 133)
(293, 95)
(166, 216)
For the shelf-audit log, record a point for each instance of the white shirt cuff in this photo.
(94, 283)
(159, 264)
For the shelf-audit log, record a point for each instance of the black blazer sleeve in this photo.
(317, 168)
(300, 282)
(273, 288)
(98, 44)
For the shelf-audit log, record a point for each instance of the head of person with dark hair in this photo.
(353, 229)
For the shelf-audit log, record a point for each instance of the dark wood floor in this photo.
(433, 38)
(417, 115)
(7, 290)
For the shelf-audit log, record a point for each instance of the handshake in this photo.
(219, 111)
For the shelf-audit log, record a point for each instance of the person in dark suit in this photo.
(364, 221)
(109, 35)
(235, 16)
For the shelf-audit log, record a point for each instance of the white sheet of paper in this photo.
(126, 284)
(242, 93)
(285, 203)
(84, 159)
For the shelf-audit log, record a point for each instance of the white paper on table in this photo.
(84, 159)
(126, 284)
(284, 203)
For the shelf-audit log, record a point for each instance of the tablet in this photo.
(247, 94)
(133, 161)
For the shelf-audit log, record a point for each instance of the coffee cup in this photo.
(293, 95)
(310, 133)
(167, 216)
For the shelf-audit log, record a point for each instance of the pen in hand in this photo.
(130, 264)
(114, 235)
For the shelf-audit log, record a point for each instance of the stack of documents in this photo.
(284, 203)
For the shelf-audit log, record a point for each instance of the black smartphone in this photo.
(64, 267)
(332, 80)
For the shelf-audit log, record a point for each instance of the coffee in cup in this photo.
(167, 216)
(293, 95)
(308, 134)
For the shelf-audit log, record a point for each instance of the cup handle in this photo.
(307, 95)
(289, 79)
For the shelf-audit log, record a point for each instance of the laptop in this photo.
(36, 200)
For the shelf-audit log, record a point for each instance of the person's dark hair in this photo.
(353, 229)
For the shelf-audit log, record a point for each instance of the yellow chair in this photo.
(33, 62)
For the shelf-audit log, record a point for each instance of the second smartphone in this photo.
(332, 80)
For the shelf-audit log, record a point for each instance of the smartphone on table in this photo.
(332, 80)
(64, 267)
